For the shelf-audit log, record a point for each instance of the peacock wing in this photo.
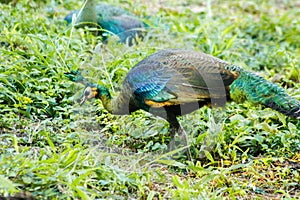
(177, 77)
(198, 77)
(148, 79)
(180, 77)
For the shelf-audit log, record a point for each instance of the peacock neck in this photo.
(88, 13)
(106, 102)
(117, 106)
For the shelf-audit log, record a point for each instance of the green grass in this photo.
(51, 148)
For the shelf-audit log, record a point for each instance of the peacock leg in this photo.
(171, 145)
(183, 135)
(175, 127)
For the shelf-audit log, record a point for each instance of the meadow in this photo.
(52, 148)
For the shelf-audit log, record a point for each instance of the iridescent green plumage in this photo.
(109, 19)
(257, 90)
(174, 82)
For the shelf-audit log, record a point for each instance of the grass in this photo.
(51, 148)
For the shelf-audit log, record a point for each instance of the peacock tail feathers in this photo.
(257, 90)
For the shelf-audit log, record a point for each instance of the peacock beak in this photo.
(83, 99)
(89, 93)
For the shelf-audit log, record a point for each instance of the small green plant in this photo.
(51, 148)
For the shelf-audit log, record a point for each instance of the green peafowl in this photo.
(174, 82)
(110, 19)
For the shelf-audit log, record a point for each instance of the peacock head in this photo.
(95, 91)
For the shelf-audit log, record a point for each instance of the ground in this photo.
(52, 148)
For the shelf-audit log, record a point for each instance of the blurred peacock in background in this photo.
(174, 82)
(109, 20)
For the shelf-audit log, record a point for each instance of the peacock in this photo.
(174, 82)
(109, 19)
